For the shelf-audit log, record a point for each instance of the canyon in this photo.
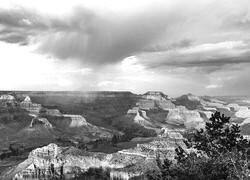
(74, 131)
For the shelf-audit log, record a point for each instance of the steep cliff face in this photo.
(152, 102)
(54, 161)
(101, 103)
(155, 101)
(142, 119)
(76, 120)
(182, 116)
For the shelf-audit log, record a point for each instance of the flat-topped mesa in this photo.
(155, 100)
(155, 95)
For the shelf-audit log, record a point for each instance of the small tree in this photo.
(219, 137)
(220, 152)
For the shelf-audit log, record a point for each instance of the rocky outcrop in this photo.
(243, 112)
(76, 120)
(155, 95)
(51, 161)
(39, 120)
(142, 119)
(29, 106)
(234, 107)
(246, 121)
(182, 116)
(7, 100)
(190, 101)
(208, 114)
(155, 100)
(165, 104)
(193, 102)
(146, 104)
(54, 161)
(172, 134)
(134, 110)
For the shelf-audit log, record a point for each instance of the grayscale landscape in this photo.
(125, 90)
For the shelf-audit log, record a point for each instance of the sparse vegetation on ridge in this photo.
(217, 153)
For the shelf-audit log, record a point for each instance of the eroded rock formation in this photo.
(29, 106)
(55, 161)
(182, 116)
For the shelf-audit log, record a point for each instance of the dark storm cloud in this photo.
(14, 38)
(208, 57)
(101, 40)
(19, 24)
(91, 37)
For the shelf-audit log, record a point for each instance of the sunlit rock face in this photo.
(246, 121)
(215, 105)
(124, 175)
(182, 116)
(209, 103)
(6, 100)
(243, 112)
(167, 133)
(142, 119)
(208, 114)
(52, 160)
(76, 120)
(29, 106)
(134, 110)
(193, 102)
(154, 100)
(150, 101)
(240, 111)
(234, 107)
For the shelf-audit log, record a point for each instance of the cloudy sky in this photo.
(175, 46)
